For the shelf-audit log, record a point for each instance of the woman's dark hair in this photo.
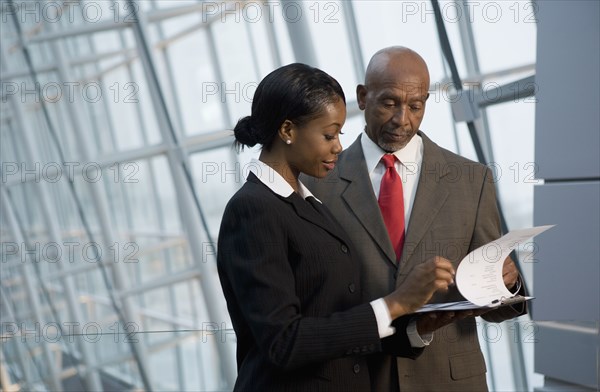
(295, 92)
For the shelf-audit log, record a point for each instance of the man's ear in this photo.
(361, 96)
(427, 97)
(287, 132)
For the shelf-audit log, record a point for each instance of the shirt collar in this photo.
(411, 154)
(275, 182)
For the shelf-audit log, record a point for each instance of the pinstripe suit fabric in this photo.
(292, 285)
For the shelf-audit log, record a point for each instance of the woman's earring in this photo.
(288, 141)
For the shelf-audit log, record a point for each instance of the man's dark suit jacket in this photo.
(454, 212)
(293, 290)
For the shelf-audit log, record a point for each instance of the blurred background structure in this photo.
(117, 162)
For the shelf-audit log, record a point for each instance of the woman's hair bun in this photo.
(245, 133)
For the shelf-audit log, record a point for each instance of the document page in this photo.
(479, 275)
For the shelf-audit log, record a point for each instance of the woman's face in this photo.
(316, 144)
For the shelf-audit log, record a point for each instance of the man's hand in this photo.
(429, 322)
(510, 274)
(436, 274)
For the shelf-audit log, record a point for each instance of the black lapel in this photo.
(307, 212)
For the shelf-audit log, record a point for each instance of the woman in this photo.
(286, 266)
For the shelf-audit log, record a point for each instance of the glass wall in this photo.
(117, 163)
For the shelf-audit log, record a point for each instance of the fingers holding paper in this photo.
(510, 274)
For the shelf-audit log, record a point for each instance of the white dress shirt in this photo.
(275, 181)
(408, 167)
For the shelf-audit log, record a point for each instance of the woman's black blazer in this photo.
(293, 293)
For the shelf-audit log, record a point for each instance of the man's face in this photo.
(394, 103)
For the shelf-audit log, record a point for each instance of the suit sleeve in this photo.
(398, 344)
(487, 229)
(253, 260)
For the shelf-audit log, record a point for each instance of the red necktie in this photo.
(391, 204)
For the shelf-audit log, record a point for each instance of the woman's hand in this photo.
(435, 274)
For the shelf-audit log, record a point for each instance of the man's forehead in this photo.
(392, 87)
(398, 74)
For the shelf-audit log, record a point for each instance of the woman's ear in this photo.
(287, 131)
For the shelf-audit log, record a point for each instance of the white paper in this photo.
(479, 274)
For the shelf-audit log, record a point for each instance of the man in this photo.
(445, 206)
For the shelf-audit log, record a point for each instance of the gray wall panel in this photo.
(568, 90)
(568, 352)
(566, 277)
(567, 270)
